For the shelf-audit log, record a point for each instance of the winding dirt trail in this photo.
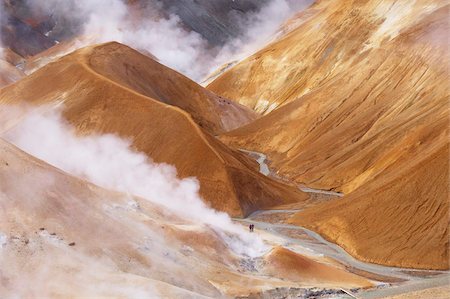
(265, 170)
(317, 245)
(390, 281)
(261, 159)
(318, 191)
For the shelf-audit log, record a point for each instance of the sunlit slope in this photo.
(78, 240)
(400, 221)
(129, 68)
(378, 112)
(287, 264)
(112, 252)
(388, 107)
(321, 43)
(94, 103)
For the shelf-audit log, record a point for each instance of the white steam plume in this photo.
(109, 162)
(165, 38)
(259, 29)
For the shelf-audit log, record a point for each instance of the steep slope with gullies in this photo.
(357, 118)
(390, 105)
(320, 43)
(98, 104)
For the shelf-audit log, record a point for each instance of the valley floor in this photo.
(388, 281)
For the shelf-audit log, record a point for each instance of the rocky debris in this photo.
(187, 250)
(133, 205)
(291, 293)
(72, 244)
(250, 264)
(22, 243)
(147, 245)
(53, 237)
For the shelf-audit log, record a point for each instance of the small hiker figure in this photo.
(251, 227)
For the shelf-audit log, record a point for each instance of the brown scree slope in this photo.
(362, 91)
(96, 103)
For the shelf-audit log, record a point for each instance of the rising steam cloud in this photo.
(258, 29)
(109, 162)
(165, 37)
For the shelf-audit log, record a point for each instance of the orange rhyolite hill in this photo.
(359, 97)
(113, 89)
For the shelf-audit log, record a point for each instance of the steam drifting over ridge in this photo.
(165, 36)
(109, 162)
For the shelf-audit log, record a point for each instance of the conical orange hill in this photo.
(101, 98)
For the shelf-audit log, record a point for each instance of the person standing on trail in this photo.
(250, 227)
